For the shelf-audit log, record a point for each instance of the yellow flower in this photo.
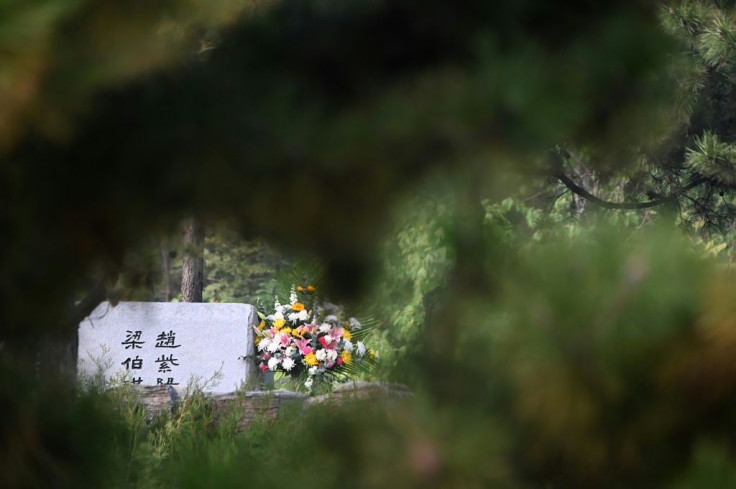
(261, 325)
(371, 353)
(311, 360)
(258, 339)
(347, 357)
(300, 289)
(279, 323)
(346, 334)
(285, 331)
(298, 307)
(311, 288)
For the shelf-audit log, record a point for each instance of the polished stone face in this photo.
(169, 343)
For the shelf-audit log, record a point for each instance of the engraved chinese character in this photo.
(165, 363)
(134, 363)
(166, 340)
(169, 381)
(136, 380)
(132, 340)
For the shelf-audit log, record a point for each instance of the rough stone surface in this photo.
(267, 404)
(157, 400)
(160, 400)
(361, 391)
(256, 404)
(160, 343)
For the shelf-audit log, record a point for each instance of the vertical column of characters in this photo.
(133, 342)
(166, 363)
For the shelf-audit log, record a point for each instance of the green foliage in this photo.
(45, 434)
(620, 378)
(714, 158)
(239, 270)
(417, 257)
(579, 371)
(711, 468)
(686, 166)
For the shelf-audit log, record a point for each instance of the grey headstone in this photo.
(170, 343)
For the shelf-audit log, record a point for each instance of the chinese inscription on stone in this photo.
(169, 343)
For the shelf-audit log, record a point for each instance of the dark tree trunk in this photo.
(192, 276)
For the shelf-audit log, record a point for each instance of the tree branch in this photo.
(578, 190)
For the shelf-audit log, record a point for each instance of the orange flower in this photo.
(311, 288)
(300, 289)
(298, 307)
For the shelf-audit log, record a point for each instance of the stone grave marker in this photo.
(170, 343)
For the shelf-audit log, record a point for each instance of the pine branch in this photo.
(578, 190)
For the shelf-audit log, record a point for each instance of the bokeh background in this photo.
(533, 201)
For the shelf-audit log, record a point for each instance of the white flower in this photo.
(273, 362)
(331, 355)
(273, 346)
(279, 314)
(290, 350)
(355, 324)
(298, 316)
(292, 297)
(325, 328)
(348, 346)
(321, 354)
(288, 364)
(263, 344)
(313, 370)
(308, 383)
(361, 348)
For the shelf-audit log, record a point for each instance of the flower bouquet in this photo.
(309, 340)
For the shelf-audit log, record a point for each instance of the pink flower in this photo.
(304, 347)
(263, 367)
(285, 340)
